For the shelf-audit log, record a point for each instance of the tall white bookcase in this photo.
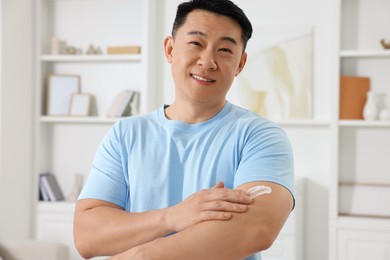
(66, 145)
(362, 148)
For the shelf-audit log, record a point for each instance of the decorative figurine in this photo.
(385, 44)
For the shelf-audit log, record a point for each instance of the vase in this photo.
(370, 110)
(78, 185)
(384, 114)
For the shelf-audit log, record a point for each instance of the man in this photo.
(172, 184)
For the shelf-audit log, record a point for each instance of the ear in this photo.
(242, 63)
(168, 48)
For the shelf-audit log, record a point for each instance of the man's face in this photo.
(206, 54)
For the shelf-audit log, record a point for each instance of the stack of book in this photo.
(126, 103)
(49, 188)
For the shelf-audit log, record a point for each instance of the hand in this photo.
(217, 203)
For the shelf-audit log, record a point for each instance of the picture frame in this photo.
(80, 104)
(59, 94)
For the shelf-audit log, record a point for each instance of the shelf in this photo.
(56, 207)
(83, 120)
(368, 223)
(92, 58)
(365, 53)
(305, 123)
(363, 123)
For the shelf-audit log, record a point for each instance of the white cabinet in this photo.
(361, 147)
(55, 223)
(363, 245)
(287, 246)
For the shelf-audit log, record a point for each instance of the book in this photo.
(43, 195)
(134, 104)
(49, 187)
(124, 49)
(353, 96)
(121, 104)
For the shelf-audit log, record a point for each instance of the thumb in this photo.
(220, 184)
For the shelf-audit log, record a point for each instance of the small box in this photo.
(364, 200)
(124, 50)
(353, 95)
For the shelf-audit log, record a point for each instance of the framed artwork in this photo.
(277, 80)
(59, 94)
(80, 105)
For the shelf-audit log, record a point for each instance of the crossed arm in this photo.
(217, 223)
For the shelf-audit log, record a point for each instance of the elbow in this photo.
(82, 242)
(82, 247)
(264, 239)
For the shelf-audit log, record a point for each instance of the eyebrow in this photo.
(224, 38)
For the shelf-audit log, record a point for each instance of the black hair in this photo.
(222, 7)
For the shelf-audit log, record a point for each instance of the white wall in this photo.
(16, 118)
(311, 144)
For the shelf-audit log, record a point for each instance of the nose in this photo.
(207, 61)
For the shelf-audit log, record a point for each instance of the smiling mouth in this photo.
(202, 79)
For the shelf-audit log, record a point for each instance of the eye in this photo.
(195, 43)
(226, 50)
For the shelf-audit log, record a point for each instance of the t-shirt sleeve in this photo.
(107, 179)
(267, 156)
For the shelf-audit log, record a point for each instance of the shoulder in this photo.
(250, 121)
(129, 128)
(137, 122)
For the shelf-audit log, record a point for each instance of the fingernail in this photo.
(242, 206)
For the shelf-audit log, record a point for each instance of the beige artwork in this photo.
(277, 80)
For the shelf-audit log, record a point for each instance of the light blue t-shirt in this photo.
(149, 162)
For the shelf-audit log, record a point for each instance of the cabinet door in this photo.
(282, 249)
(285, 246)
(58, 227)
(363, 245)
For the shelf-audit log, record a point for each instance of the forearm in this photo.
(103, 228)
(212, 240)
(106, 230)
(243, 235)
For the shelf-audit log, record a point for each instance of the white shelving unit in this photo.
(66, 145)
(361, 147)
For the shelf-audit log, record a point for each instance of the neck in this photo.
(192, 114)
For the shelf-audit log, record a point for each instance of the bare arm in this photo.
(103, 228)
(243, 235)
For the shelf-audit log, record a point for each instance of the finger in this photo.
(220, 184)
(213, 215)
(224, 206)
(234, 196)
